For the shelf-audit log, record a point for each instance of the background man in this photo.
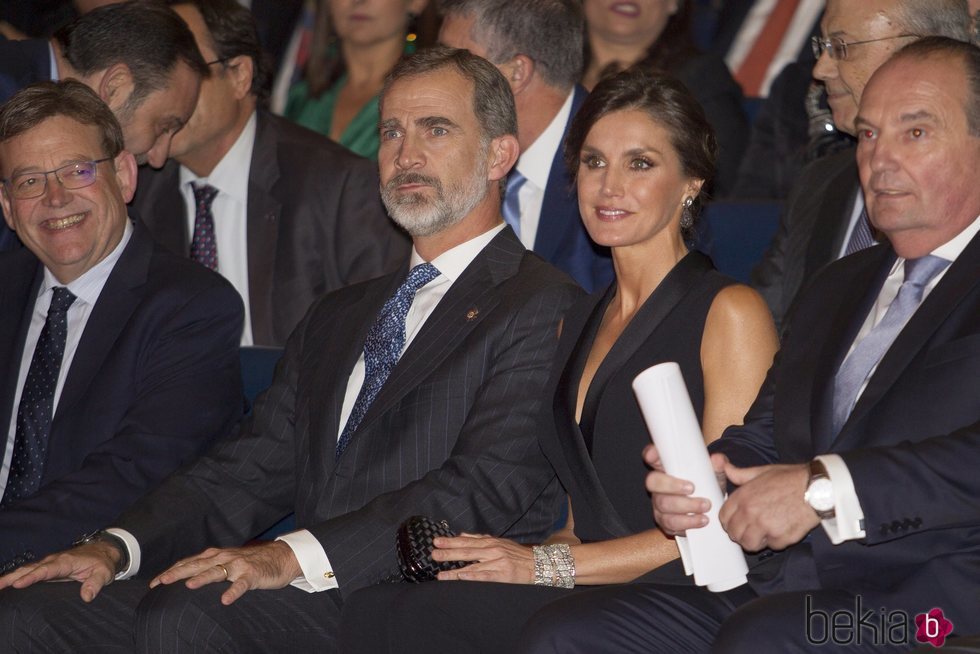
(139, 57)
(354, 441)
(289, 214)
(120, 361)
(824, 218)
(868, 425)
(539, 50)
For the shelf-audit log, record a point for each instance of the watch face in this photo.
(820, 494)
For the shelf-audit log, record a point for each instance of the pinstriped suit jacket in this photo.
(451, 434)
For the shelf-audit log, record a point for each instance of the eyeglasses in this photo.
(836, 48)
(218, 61)
(71, 176)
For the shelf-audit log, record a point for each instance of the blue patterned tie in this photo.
(204, 249)
(512, 201)
(867, 353)
(383, 346)
(37, 401)
(861, 235)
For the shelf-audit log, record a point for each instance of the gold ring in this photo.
(223, 569)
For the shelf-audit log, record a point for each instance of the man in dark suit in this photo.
(824, 217)
(138, 57)
(295, 215)
(539, 51)
(450, 433)
(145, 370)
(854, 476)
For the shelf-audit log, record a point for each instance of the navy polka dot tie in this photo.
(37, 401)
(204, 249)
(383, 346)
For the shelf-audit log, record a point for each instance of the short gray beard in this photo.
(419, 215)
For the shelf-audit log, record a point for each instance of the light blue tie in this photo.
(383, 346)
(512, 201)
(866, 354)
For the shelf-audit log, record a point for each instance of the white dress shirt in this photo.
(230, 211)
(535, 166)
(848, 520)
(317, 572)
(86, 290)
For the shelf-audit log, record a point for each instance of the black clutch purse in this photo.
(414, 545)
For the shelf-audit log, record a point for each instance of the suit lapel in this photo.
(262, 229)
(108, 319)
(581, 474)
(467, 303)
(17, 298)
(161, 207)
(848, 314)
(657, 307)
(963, 276)
(335, 358)
(834, 217)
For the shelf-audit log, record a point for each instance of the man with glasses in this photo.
(289, 215)
(137, 56)
(119, 360)
(824, 218)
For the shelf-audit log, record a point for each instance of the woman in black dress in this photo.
(641, 150)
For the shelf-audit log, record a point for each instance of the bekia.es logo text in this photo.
(882, 627)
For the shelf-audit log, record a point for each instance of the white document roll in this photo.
(715, 560)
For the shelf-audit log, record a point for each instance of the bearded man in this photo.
(412, 394)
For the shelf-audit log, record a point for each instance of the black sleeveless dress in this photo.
(598, 461)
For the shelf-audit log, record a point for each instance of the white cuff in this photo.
(132, 548)
(317, 572)
(848, 520)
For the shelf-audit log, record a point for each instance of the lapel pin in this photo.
(472, 313)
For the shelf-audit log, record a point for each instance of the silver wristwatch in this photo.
(820, 491)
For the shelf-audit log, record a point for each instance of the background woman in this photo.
(355, 44)
(656, 35)
(641, 150)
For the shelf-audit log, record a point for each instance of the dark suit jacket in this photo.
(315, 223)
(561, 237)
(21, 63)
(154, 380)
(811, 230)
(451, 434)
(912, 443)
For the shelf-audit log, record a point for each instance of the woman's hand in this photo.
(494, 559)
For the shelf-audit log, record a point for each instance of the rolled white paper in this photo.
(715, 560)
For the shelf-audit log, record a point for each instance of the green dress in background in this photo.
(360, 136)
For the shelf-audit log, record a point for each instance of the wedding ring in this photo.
(224, 570)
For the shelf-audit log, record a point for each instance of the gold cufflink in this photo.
(328, 575)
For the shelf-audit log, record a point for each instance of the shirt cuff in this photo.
(848, 520)
(132, 548)
(318, 575)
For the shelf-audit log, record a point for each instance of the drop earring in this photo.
(687, 216)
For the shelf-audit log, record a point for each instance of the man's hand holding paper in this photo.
(766, 510)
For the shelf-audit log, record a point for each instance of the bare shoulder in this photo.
(738, 302)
